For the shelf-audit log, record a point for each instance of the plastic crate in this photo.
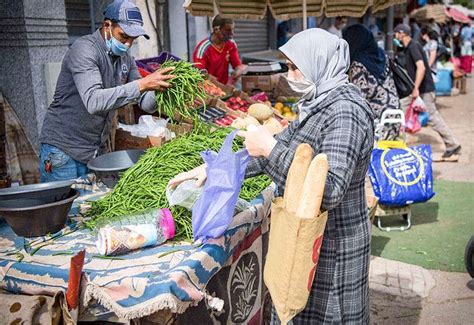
(147, 64)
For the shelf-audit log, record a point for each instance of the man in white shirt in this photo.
(339, 24)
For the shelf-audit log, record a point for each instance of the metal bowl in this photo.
(107, 167)
(35, 217)
(47, 192)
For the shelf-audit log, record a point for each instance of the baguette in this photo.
(296, 177)
(313, 188)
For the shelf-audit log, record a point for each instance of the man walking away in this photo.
(417, 67)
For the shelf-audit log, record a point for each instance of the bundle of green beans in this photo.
(187, 87)
(144, 185)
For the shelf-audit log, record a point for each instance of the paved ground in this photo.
(408, 294)
(458, 112)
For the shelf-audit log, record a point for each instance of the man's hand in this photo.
(238, 72)
(415, 93)
(157, 80)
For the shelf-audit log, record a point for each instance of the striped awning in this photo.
(436, 11)
(286, 9)
(253, 9)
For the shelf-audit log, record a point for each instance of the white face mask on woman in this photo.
(301, 88)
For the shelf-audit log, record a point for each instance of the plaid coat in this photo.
(342, 128)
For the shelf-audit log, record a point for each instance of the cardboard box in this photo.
(125, 140)
(253, 83)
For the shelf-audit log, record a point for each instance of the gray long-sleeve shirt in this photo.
(91, 85)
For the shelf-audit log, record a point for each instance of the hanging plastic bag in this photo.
(213, 211)
(412, 124)
(401, 175)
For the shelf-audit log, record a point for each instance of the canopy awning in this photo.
(458, 16)
(286, 9)
(440, 13)
(437, 12)
(466, 11)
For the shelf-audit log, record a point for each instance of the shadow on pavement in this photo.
(441, 106)
(436, 174)
(396, 310)
(421, 213)
(470, 285)
(426, 138)
(424, 213)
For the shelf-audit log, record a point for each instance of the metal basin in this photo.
(47, 192)
(35, 217)
(107, 167)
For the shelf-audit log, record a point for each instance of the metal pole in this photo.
(389, 44)
(305, 18)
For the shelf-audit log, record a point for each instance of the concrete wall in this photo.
(178, 30)
(147, 48)
(185, 30)
(32, 33)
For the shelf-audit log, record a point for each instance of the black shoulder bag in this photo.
(403, 81)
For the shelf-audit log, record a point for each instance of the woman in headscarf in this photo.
(370, 71)
(334, 119)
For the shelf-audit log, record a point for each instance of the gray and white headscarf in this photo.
(323, 59)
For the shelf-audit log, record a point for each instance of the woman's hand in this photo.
(199, 173)
(259, 142)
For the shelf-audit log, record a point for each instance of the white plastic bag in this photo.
(149, 126)
(186, 194)
(419, 105)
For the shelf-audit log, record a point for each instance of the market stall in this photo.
(167, 279)
(221, 273)
(214, 280)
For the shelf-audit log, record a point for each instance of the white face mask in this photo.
(302, 88)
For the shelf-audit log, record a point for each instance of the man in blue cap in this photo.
(98, 76)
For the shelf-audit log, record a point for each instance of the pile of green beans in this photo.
(144, 185)
(187, 87)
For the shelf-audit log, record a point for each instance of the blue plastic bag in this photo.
(444, 82)
(213, 211)
(402, 176)
(423, 117)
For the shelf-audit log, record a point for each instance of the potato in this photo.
(260, 111)
(273, 125)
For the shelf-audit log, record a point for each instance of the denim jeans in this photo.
(62, 166)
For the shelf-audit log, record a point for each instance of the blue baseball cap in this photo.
(128, 16)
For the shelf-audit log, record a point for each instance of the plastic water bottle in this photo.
(148, 228)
